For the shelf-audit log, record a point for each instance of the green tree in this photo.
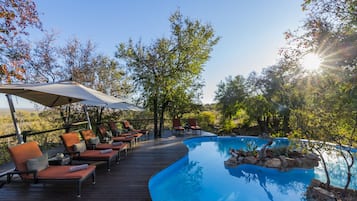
(278, 84)
(275, 92)
(258, 109)
(230, 95)
(329, 114)
(168, 71)
(207, 120)
(110, 78)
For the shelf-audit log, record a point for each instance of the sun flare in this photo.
(311, 62)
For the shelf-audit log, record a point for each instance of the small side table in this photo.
(107, 140)
(59, 161)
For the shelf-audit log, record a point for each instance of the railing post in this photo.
(24, 135)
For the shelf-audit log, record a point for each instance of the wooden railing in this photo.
(25, 134)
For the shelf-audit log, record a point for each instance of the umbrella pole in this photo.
(87, 115)
(14, 119)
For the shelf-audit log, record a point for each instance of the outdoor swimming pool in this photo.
(201, 175)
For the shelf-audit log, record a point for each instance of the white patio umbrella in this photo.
(122, 105)
(53, 94)
(125, 106)
(56, 94)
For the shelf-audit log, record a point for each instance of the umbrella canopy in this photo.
(118, 105)
(125, 106)
(56, 94)
(121, 105)
(53, 94)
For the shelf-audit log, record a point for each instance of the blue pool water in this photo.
(202, 175)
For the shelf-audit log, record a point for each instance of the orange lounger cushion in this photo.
(111, 146)
(22, 154)
(63, 172)
(95, 154)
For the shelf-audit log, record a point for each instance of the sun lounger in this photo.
(77, 149)
(193, 125)
(32, 166)
(93, 142)
(176, 125)
(105, 134)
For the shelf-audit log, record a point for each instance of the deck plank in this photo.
(127, 180)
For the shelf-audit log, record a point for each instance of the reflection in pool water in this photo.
(201, 175)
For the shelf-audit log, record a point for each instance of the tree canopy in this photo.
(167, 73)
(15, 17)
(286, 89)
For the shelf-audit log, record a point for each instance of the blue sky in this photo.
(251, 31)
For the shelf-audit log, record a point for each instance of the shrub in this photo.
(228, 126)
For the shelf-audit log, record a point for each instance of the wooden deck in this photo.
(127, 180)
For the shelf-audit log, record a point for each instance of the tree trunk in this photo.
(325, 169)
(65, 114)
(260, 124)
(156, 133)
(162, 112)
(286, 128)
(99, 114)
(349, 166)
(161, 126)
(262, 152)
